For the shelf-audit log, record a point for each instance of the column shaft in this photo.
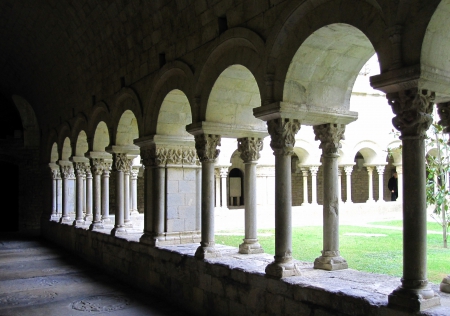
(126, 201)
(89, 194)
(305, 187)
(105, 196)
(80, 200)
(370, 173)
(159, 202)
(97, 195)
(223, 176)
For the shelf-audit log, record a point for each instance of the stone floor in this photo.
(39, 279)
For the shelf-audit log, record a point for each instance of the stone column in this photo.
(314, 171)
(120, 164)
(380, 170)
(217, 175)
(133, 186)
(249, 149)
(330, 136)
(305, 186)
(97, 170)
(105, 192)
(413, 110)
(81, 174)
(370, 172)
(59, 195)
(55, 175)
(206, 145)
(339, 185)
(126, 194)
(223, 177)
(88, 201)
(348, 172)
(147, 155)
(68, 174)
(282, 133)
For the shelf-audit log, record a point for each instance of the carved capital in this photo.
(80, 168)
(67, 172)
(249, 148)
(413, 110)
(56, 174)
(224, 172)
(380, 169)
(98, 166)
(348, 170)
(282, 133)
(330, 136)
(121, 162)
(206, 145)
(313, 170)
(134, 173)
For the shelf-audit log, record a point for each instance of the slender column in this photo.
(126, 194)
(68, 174)
(314, 171)
(249, 149)
(399, 170)
(55, 174)
(223, 177)
(81, 174)
(206, 145)
(147, 155)
(348, 172)
(330, 136)
(198, 188)
(97, 170)
(370, 173)
(88, 193)
(105, 193)
(120, 164)
(282, 133)
(339, 185)
(133, 186)
(59, 195)
(305, 186)
(413, 110)
(217, 176)
(380, 170)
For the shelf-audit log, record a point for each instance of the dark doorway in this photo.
(236, 188)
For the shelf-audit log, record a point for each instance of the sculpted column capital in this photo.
(98, 165)
(121, 162)
(249, 148)
(67, 172)
(134, 173)
(348, 170)
(223, 172)
(314, 170)
(206, 146)
(380, 169)
(282, 133)
(80, 168)
(330, 136)
(413, 110)
(56, 174)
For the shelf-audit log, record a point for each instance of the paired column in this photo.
(282, 133)
(81, 175)
(105, 192)
(249, 149)
(121, 163)
(413, 110)
(205, 145)
(314, 170)
(223, 177)
(133, 187)
(55, 176)
(348, 172)
(339, 185)
(88, 217)
(380, 170)
(127, 195)
(217, 175)
(330, 136)
(305, 186)
(370, 173)
(68, 176)
(97, 171)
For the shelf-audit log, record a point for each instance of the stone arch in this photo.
(307, 154)
(237, 46)
(236, 88)
(100, 113)
(174, 115)
(323, 70)
(435, 54)
(54, 153)
(298, 23)
(101, 138)
(63, 136)
(173, 76)
(31, 131)
(79, 124)
(127, 100)
(395, 147)
(127, 129)
(66, 149)
(370, 151)
(81, 147)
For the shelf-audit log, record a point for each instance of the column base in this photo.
(96, 225)
(330, 261)
(54, 217)
(106, 220)
(413, 300)
(78, 222)
(250, 246)
(88, 218)
(149, 239)
(134, 213)
(118, 231)
(128, 224)
(281, 270)
(65, 220)
(445, 285)
(207, 252)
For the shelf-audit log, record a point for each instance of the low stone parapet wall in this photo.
(233, 284)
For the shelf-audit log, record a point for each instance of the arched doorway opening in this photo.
(236, 183)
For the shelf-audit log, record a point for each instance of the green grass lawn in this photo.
(379, 254)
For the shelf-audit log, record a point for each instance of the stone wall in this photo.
(228, 285)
